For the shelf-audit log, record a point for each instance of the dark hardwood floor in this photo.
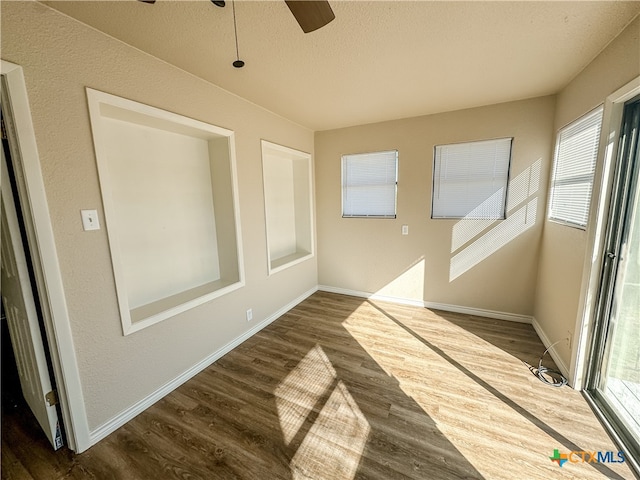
(341, 388)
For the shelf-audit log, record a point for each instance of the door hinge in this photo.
(51, 398)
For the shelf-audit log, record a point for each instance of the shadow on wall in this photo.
(473, 240)
(409, 284)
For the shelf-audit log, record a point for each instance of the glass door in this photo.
(615, 376)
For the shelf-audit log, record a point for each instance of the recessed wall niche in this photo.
(169, 193)
(288, 205)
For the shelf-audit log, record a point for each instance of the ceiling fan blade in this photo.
(147, 1)
(311, 14)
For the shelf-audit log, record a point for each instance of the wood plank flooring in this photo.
(345, 388)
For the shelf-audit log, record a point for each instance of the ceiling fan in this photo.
(310, 14)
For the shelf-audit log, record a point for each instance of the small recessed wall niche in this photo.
(288, 205)
(170, 204)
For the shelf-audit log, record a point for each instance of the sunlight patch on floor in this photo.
(426, 377)
(366, 334)
(334, 444)
(302, 388)
(331, 444)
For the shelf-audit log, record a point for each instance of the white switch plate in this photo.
(405, 229)
(90, 220)
(249, 315)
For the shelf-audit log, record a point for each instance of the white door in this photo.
(22, 318)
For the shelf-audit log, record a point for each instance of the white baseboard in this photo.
(123, 417)
(552, 351)
(373, 296)
(478, 312)
(128, 414)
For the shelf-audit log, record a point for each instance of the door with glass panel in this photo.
(615, 375)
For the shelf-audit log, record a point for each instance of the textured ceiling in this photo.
(377, 60)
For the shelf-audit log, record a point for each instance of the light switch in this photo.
(90, 220)
(405, 229)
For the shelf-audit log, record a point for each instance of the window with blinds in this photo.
(470, 179)
(369, 184)
(574, 167)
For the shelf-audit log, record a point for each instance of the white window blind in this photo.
(574, 167)
(470, 179)
(369, 184)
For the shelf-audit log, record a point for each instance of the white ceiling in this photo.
(378, 60)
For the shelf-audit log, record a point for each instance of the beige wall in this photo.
(495, 262)
(60, 58)
(563, 249)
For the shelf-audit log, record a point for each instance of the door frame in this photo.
(626, 182)
(26, 164)
(596, 232)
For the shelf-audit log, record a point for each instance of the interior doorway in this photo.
(37, 220)
(21, 309)
(10, 387)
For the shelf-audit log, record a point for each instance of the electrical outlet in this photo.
(569, 339)
(249, 315)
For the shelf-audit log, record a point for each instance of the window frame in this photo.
(503, 216)
(552, 180)
(343, 186)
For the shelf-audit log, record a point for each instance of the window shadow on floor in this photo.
(337, 388)
(482, 332)
(300, 399)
